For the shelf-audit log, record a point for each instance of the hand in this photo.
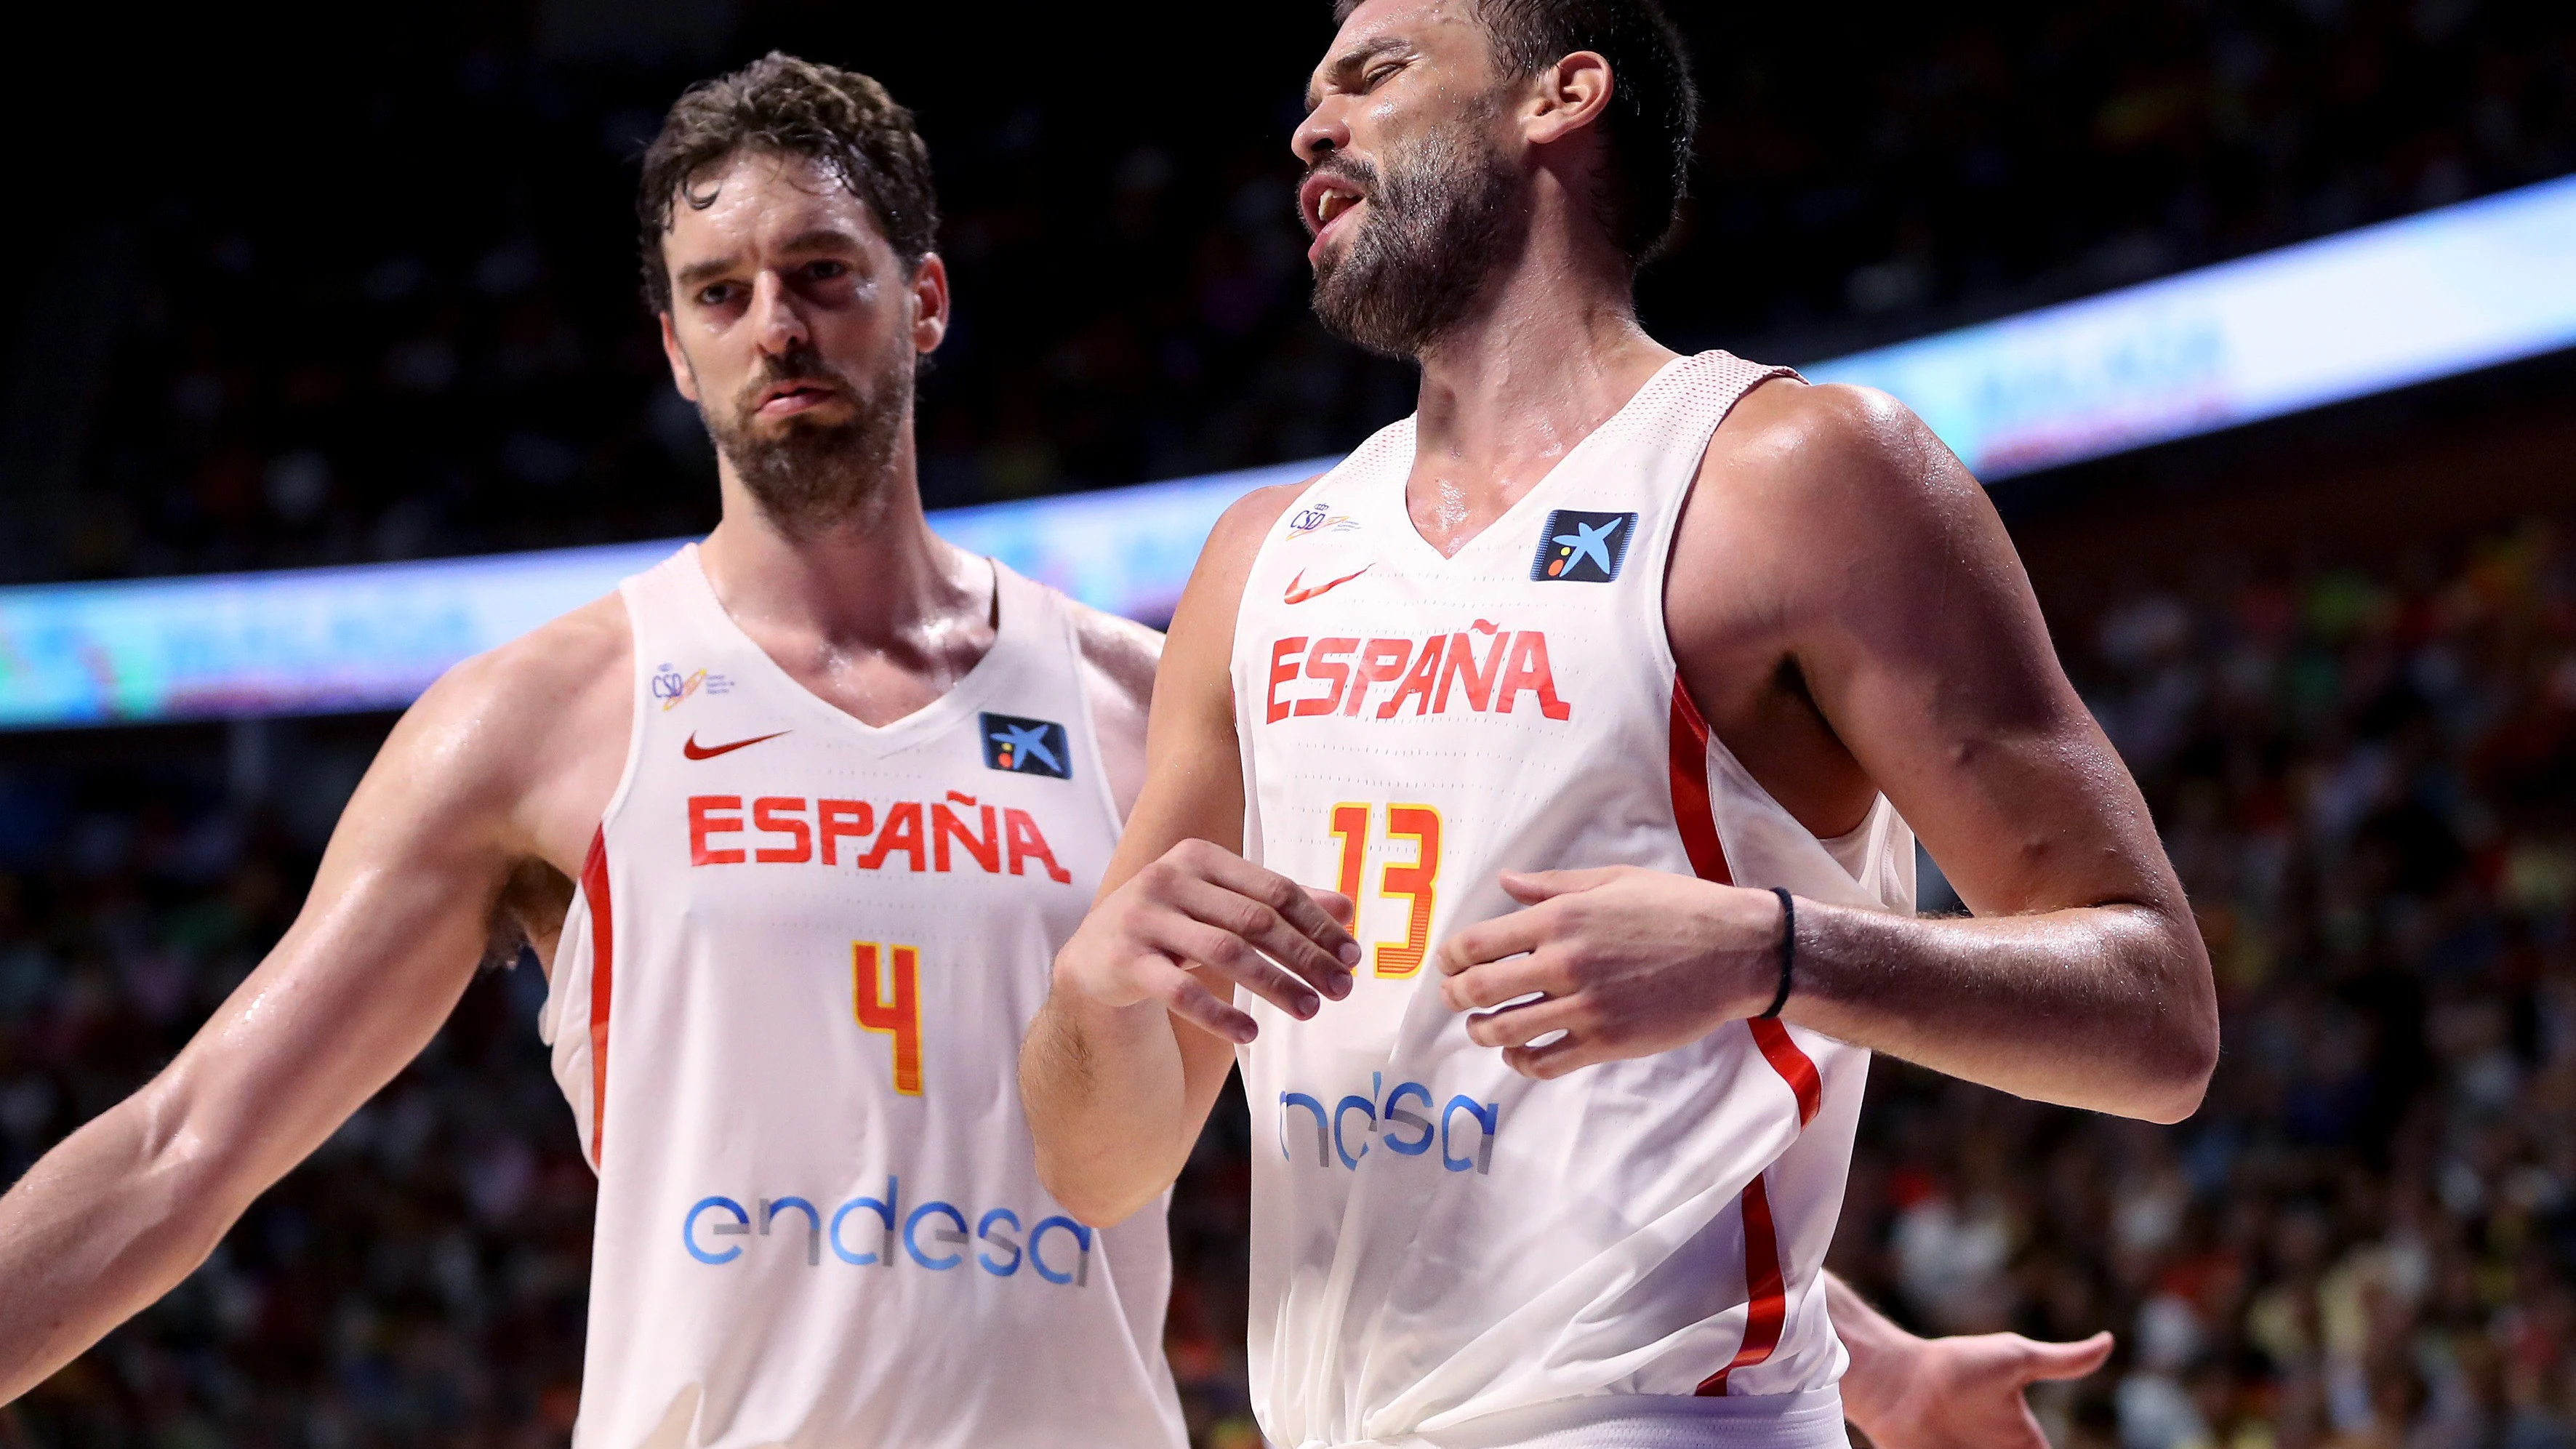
(1202, 906)
(1628, 962)
(1961, 1393)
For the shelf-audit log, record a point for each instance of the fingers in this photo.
(1284, 898)
(1184, 997)
(2064, 1360)
(1496, 982)
(1529, 887)
(1547, 1063)
(1256, 930)
(1334, 904)
(1293, 902)
(1517, 934)
(1233, 958)
(1521, 1025)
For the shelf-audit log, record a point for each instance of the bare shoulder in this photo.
(1237, 535)
(518, 684)
(1120, 653)
(1819, 445)
(1216, 585)
(1832, 486)
(523, 736)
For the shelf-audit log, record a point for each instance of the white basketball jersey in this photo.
(787, 1013)
(1444, 1252)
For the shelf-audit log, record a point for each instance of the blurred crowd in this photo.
(414, 330)
(2365, 1240)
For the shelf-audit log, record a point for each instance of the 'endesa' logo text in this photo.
(872, 1231)
(1463, 1129)
(1461, 671)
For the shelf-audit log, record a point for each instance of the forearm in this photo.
(114, 1217)
(1109, 1103)
(2103, 1007)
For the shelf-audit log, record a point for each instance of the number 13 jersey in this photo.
(1444, 1252)
(787, 1013)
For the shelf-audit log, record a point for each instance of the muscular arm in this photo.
(2082, 978)
(1123, 1063)
(397, 922)
(1849, 613)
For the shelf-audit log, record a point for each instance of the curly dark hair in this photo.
(790, 107)
(1653, 118)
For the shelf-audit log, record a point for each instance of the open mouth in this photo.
(1326, 200)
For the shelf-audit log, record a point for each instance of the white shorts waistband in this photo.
(1812, 1419)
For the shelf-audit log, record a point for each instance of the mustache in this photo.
(799, 366)
(1352, 169)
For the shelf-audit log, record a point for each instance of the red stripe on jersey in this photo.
(603, 956)
(1766, 1286)
(1691, 809)
(1698, 821)
(1793, 1065)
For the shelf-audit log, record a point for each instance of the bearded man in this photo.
(1581, 756)
(796, 821)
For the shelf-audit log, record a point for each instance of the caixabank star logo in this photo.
(1027, 746)
(1582, 548)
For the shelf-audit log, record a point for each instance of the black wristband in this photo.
(1788, 953)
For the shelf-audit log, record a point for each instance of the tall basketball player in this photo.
(1605, 687)
(833, 793)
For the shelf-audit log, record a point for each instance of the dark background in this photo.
(361, 285)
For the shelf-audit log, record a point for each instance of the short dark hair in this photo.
(790, 107)
(1654, 105)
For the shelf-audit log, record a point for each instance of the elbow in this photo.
(2178, 1074)
(1085, 1197)
(2181, 1036)
(2179, 1095)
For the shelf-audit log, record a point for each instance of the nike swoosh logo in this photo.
(696, 751)
(1297, 595)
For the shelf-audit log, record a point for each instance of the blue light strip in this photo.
(2465, 287)
(315, 641)
(2449, 291)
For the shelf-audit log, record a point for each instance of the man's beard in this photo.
(806, 475)
(1439, 225)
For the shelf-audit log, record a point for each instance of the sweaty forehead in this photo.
(1434, 27)
(763, 197)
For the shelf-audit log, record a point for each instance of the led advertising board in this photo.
(2468, 286)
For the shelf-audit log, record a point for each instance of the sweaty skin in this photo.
(1849, 616)
(481, 805)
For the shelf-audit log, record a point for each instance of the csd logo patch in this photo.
(1582, 548)
(1026, 746)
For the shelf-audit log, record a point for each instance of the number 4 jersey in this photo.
(1446, 1253)
(787, 1012)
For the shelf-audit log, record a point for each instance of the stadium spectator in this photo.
(434, 355)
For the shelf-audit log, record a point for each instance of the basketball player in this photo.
(833, 794)
(832, 791)
(1605, 687)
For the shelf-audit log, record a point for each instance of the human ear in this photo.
(929, 303)
(684, 375)
(1568, 96)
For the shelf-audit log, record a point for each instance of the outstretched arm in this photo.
(1123, 1063)
(1843, 593)
(398, 919)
